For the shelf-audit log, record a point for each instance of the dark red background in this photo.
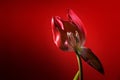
(27, 51)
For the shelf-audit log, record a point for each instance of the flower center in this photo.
(73, 40)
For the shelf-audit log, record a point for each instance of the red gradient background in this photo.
(27, 51)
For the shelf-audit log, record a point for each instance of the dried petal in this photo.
(91, 59)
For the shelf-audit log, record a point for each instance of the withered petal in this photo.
(91, 59)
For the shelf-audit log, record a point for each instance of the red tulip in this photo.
(69, 35)
(61, 27)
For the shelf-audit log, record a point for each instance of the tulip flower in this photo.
(70, 35)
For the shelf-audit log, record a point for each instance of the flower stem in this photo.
(79, 74)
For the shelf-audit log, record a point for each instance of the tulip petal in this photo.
(75, 19)
(56, 28)
(59, 35)
(56, 22)
(91, 59)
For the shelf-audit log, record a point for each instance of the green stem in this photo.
(80, 72)
(76, 76)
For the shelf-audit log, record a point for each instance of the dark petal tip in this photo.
(101, 70)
